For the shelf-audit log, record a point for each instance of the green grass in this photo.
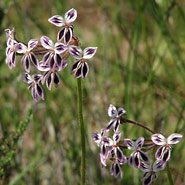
(139, 65)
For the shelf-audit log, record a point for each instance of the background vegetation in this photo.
(140, 65)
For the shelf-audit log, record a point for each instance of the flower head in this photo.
(80, 67)
(165, 148)
(33, 85)
(52, 57)
(65, 22)
(28, 56)
(115, 115)
(149, 174)
(138, 154)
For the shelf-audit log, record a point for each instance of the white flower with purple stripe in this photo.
(11, 52)
(164, 151)
(28, 56)
(115, 115)
(136, 156)
(53, 55)
(149, 174)
(65, 22)
(33, 85)
(80, 67)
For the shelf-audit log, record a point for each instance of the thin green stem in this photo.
(82, 130)
(169, 174)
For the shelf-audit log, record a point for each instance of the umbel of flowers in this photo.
(112, 148)
(47, 57)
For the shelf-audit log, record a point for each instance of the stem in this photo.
(138, 124)
(169, 174)
(82, 130)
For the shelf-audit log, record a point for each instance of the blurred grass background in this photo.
(139, 65)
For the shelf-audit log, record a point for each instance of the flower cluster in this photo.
(113, 148)
(49, 57)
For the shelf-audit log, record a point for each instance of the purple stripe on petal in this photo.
(117, 136)
(145, 167)
(34, 59)
(136, 160)
(68, 36)
(26, 64)
(109, 125)
(166, 155)
(37, 77)
(13, 59)
(58, 60)
(159, 165)
(46, 58)
(44, 77)
(89, 52)
(129, 143)
(56, 79)
(74, 66)
(40, 91)
(85, 70)
(174, 138)
(70, 16)
(130, 160)
(21, 48)
(140, 142)
(32, 44)
(121, 111)
(34, 94)
(158, 139)
(159, 152)
(61, 33)
(116, 125)
(78, 72)
(112, 111)
(117, 170)
(46, 42)
(64, 64)
(57, 20)
(148, 180)
(49, 81)
(144, 156)
(60, 48)
(52, 62)
(76, 52)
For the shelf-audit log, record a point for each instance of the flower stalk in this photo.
(169, 174)
(82, 131)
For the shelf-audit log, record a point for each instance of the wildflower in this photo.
(115, 115)
(149, 174)
(165, 148)
(10, 33)
(11, 52)
(28, 54)
(33, 85)
(66, 31)
(53, 55)
(80, 66)
(138, 154)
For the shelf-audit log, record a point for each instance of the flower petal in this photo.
(97, 137)
(34, 94)
(116, 137)
(130, 144)
(130, 160)
(26, 63)
(85, 70)
(63, 64)
(76, 52)
(144, 156)
(109, 125)
(140, 142)
(40, 91)
(56, 80)
(74, 66)
(52, 62)
(136, 160)
(32, 44)
(117, 170)
(27, 78)
(148, 179)
(49, 80)
(68, 36)
(21, 48)
(60, 48)
(57, 20)
(46, 42)
(116, 125)
(166, 155)
(78, 72)
(159, 165)
(159, 153)
(89, 52)
(70, 15)
(121, 111)
(174, 138)
(46, 58)
(158, 139)
(34, 59)
(145, 167)
(61, 34)
(112, 111)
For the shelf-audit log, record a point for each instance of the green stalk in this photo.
(82, 131)
(169, 174)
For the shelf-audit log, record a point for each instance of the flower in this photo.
(138, 154)
(52, 57)
(115, 115)
(10, 33)
(165, 148)
(33, 85)
(11, 52)
(66, 31)
(80, 66)
(28, 54)
(149, 174)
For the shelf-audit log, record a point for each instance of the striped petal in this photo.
(32, 44)
(174, 138)
(57, 20)
(70, 16)
(112, 111)
(60, 48)
(158, 139)
(85, 70)
(89, 52)
(140, 142)
(76, 52)
(159, 153)
(46, 42)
